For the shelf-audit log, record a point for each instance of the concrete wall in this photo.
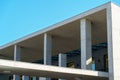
(113, 29)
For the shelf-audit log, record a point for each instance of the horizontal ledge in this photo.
(24, 68)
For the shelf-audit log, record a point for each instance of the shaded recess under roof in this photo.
(65, 36)
(77, 52)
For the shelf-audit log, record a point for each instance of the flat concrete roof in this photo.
(23, 68)
(65, 36)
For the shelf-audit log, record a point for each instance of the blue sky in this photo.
(19, 18)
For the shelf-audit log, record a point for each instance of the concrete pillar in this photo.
(113, 37)
(47, 52)
(62, 61)
(17, 51)
(25, 77)
(47, 49)
(86, 50)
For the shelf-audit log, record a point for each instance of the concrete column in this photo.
(47, 52)
(25, 77)
(47, 49)
(62, 61)
(113, 37)
(86, 50)
(17, 51)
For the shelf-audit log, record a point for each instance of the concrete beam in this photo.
(86, 50)
(48, 71)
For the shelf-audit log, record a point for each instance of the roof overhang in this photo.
(66, 36)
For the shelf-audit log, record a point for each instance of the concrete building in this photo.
(84, 47)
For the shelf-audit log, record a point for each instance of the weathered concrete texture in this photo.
(113, 25)
(62, 60)
(86, 50)
(47, 49)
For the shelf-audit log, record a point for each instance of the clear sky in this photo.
(19, 18)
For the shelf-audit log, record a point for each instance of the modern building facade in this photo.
(84, 47)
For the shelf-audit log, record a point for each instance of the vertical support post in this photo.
(25, 77)
(86, 50)
(47, 52)
(47, 49)
(113, 37)
(109, 38)
(62, 61)
(17, 51)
